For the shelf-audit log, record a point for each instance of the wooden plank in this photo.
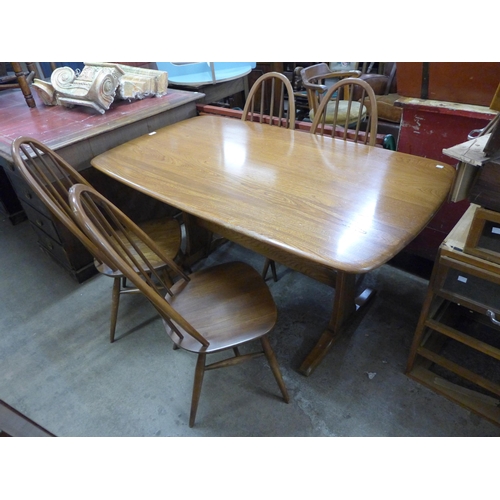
(459, 370)
(471, 152)
(471, 400)
(464, 338)
(458, 235)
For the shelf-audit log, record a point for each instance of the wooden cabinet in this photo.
(78, 135)
(428, 127)
(459, 82)
(456, 347)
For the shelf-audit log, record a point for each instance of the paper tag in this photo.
(463, 279)
(495, 230)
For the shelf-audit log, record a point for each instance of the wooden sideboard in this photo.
(79, 134)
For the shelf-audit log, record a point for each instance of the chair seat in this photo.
(220, 302)
(165, 232)
(342, 112)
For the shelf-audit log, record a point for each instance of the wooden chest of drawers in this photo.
(78, 135)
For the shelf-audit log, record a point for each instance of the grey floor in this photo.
(58, 367)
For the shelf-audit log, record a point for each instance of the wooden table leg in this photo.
(345, 304)
(198, 240)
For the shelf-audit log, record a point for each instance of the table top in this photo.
(339, 204)
(58, 126)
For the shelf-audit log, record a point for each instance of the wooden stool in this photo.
(456, 346)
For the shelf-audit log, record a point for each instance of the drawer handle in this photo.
(28, 195)
(492, 317)
(39, 223)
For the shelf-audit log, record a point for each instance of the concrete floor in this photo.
(58, 367)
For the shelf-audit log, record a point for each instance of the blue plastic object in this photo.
(204, 73)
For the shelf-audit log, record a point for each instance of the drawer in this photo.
(473, 287)
(53, 248)
(41, 221)
(72, 255)
(26, 194)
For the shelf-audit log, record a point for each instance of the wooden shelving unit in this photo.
(456, 347)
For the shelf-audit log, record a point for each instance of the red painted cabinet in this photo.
(427, 128)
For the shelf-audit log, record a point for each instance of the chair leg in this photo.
(271, 263)
(273, 363)
(115, 300)
(198, 381)
(23, 84)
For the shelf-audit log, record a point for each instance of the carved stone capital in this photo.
(98, 84)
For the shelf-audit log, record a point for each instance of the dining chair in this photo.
(280, 111)
(51, 177)
(314, 80)
(355, 123)
(212, 310)
(270, 100)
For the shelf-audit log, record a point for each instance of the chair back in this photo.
(132, 252)
(313, 80)
(277, 84)
(359, 118)
(51, 177)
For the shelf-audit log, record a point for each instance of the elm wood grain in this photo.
(212, 310)
(50, 178)
(322, 202)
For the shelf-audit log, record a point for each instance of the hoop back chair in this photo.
(51, 177)
(211, 310)
(279, 83)
(357, 124)
(280, 87)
